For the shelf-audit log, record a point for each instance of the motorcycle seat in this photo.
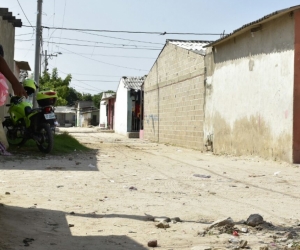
(29, 110)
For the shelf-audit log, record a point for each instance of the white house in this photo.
(128, 106)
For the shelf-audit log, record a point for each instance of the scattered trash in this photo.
(59, 186)
(7, 193)
(71, 225)
(235, 233)
(111, 180)
(132, 188)
(277, 173)
(256, 175)
(201, 175)
(152, 243)
(244, 230)
(91, 166)
(162, 219)
(72, 213)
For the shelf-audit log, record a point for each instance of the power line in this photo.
(88, 41)
(115, 47)
(124, 46)
(137, 32)
(24, 34)
(24, 14)
(105, 62)
(138, 41)
(80, 81)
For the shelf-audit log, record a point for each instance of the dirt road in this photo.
(107, 199)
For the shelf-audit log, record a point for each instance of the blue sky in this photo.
(85, 54)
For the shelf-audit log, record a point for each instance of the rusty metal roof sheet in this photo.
(254, 24)
(133, 82)
(196, 46)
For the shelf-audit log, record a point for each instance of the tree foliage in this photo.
(54, 82)
(67, 96)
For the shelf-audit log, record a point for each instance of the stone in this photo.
(162, 225)
(243, 243)
(254, 220)
(222, 222)
(152, 243)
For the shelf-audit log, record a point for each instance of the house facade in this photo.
(65, 116)
(107, 109)
(86, 114)
(8, 23)
(174, 95)
(252, 89)
(128, 106)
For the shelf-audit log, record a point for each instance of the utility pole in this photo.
(37, 47)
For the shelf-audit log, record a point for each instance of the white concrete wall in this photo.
(103, 115)
(121, 111)
(249, 95)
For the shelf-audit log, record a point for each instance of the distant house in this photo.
(252, 102)
(174, 95)
(8, 23)
(86, 114)
(107, 107)
(65, 116)
(128, 106)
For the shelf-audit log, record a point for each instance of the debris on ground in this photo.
(152, 243)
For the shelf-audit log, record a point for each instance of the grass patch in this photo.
(63, 144)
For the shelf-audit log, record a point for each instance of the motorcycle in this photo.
(25, 123)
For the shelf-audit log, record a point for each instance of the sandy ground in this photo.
(106, 199)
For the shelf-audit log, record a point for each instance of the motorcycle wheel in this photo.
(13, 137)
(45, 135)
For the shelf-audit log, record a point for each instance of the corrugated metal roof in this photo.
(196, 46)
(256, 23)
(133, 82)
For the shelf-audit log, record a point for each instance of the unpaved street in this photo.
(107, 199)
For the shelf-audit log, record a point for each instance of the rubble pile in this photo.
(275, 237)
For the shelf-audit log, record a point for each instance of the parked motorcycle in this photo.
(25, 123)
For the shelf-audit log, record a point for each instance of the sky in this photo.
(115, 38)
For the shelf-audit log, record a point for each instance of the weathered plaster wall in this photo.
(7, 40)
(173, 98)
(249, 92)
(121, 112)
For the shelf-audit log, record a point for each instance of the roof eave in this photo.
(249, 26)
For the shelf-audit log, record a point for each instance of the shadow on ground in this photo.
(42, 229)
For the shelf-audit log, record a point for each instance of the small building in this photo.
(174, 95)
(252, 101)
(65, 116)
(128, 106)
(107, 107)
(86, 114)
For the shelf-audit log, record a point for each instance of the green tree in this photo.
(73, 96)
(54, 82)
(87, 97)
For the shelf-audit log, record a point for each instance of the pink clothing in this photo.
(3, 90)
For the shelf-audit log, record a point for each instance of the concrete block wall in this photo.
(174, 98)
